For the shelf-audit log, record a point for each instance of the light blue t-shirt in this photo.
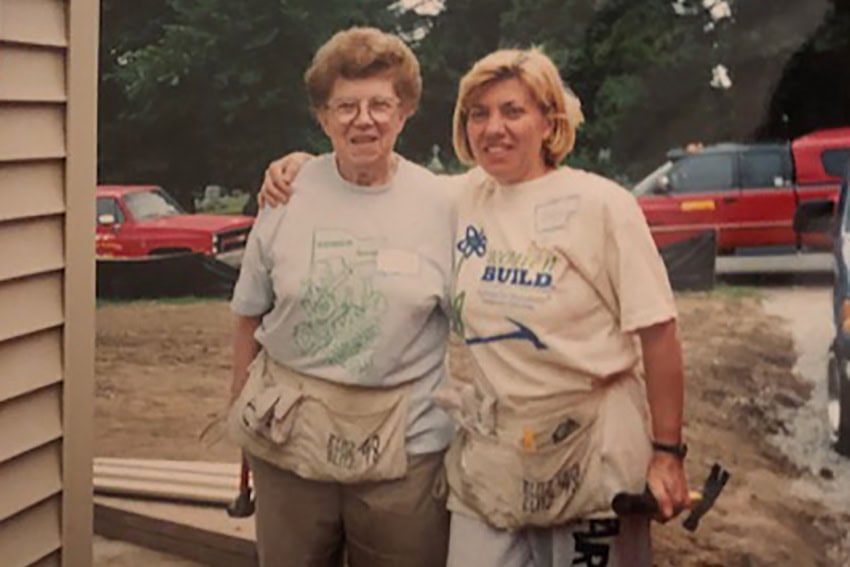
(352, 284)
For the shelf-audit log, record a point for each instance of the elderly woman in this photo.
(341, 326)
(566, 379)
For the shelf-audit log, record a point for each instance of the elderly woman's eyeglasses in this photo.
(380, 109)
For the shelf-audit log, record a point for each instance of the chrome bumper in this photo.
(232, 257)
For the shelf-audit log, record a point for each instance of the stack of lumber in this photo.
(175, 507)
(215, 484)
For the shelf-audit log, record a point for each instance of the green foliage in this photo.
(197, 92)
(227, 205)
(216, 91)
(463, 33)
(175, 300)
(737, 291)
(603, 50)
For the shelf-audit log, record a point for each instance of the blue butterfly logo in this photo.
(474, 243)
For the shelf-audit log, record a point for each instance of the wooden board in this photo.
(224, 481)
(178, 481)
(230, 470)
(165, 491)
(203, 534)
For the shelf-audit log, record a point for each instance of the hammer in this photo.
(243, 505)
(699, 503)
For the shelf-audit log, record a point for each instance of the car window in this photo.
(151, 204)
(650, 183)
(835, 161)
(109, 206)
(844, 210)
(703, 173)
(842, 207)
(761, 169)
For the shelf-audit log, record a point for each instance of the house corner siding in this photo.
(48, 89)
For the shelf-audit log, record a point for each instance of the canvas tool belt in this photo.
(319, 429)
(538, 467)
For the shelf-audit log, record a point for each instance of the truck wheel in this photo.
(838, 404)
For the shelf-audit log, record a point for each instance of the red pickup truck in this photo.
(139, 221)
(747, 193)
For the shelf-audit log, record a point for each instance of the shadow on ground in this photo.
(777, 280)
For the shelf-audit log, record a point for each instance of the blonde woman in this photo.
(566, 377)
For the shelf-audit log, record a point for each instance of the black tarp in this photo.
(690, 266)
(164, 276)
(690, 263)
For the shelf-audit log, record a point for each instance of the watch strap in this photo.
(680, 450)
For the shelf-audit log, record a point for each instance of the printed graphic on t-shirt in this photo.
(342, 309)
(473, 242)
(516, 278)
(529, 268)
(519, 332)
(505, 278)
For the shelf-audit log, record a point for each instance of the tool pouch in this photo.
(319, 429)
(513, 470)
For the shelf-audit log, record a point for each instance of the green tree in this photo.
(219, 92)
(458, 36)
(815, 86)
(124, 27)
(200, 91)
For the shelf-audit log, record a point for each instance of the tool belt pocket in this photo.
(322, 430)
(540, 478)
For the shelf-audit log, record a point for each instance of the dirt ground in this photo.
(162, 376)
(113, 553)
(163, 371)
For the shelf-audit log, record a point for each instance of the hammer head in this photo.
(243, 506)
(712, 488)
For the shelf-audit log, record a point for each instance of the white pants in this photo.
(593, 543)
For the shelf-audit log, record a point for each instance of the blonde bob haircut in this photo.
(364, 53)
(537, 72)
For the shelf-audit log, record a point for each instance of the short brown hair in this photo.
(537, 72)
(361, 53)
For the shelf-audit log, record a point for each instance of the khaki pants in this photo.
(306, 523)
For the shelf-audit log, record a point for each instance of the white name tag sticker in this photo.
(398, 262)
(554, 215)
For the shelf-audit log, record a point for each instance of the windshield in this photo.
(650, 182)
(151, 204)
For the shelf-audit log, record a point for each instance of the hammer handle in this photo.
(645, 503)
(244, 475)
(625, 503)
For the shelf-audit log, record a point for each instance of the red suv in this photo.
(746, 193)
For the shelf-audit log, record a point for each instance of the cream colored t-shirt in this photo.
(524, 260)
(553, 277)
(352, 285)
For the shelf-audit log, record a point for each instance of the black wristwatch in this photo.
(680, 450)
